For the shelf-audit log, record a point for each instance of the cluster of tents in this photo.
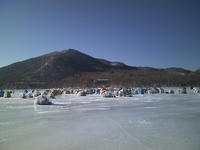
(6, 94)
(104, 91)
(113, 92)
(128, 92)
(36, 92)
(196, 90)
(42, 98)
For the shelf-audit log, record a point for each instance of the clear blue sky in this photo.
(154, 33)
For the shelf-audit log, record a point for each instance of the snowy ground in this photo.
(141, 122)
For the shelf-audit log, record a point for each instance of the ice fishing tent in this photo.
(171, 91)
(182, 90)
(43, 100)
(140, 91)
(1, 93)
(81, 93)
(107, 94)
(196, 90)
(36, 93)
(7, 94)
(59, 92)
(22, 95)
(102, 90)
(97, 91)
(55, 92)
(67, 91)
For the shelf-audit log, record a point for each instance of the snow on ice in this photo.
(91, 122)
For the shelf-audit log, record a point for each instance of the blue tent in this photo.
(1, 93)
(140, 91)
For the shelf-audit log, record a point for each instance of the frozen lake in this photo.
(141, 122)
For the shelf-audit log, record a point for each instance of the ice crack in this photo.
(117, 123)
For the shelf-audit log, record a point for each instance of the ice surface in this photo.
(141, 122)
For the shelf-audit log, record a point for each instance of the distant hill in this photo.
(71, 68)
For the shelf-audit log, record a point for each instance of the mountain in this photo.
(73, 68)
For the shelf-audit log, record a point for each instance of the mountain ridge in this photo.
(73, 68)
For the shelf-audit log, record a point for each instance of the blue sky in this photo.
(154, 33)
